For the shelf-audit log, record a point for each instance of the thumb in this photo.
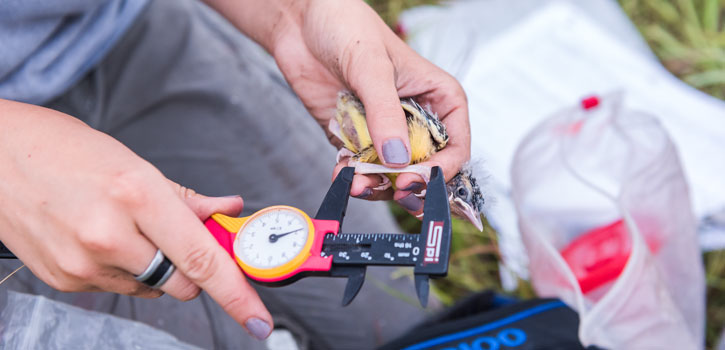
(204, 206)
(372, 78)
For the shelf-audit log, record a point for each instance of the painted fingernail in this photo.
(411, 202)
(394, 152)
(258, 328)
(414, 187)
(365, 193)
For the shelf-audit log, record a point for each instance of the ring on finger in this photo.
(158, 271)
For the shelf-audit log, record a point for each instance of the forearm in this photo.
(17, 114)
(262, 20)
(24, 127)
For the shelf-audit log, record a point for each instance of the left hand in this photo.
(325, 46)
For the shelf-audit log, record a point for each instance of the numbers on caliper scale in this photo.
(373, 248)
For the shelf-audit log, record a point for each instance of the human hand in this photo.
(325, 46)
(335, 45)
(85, 213)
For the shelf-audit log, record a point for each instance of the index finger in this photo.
(181, 236)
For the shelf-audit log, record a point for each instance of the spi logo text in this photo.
(433, 244)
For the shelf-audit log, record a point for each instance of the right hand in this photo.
(85, 213)
(344, 45)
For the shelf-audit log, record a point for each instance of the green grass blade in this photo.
(665, 42)
(710, 15)
(689, 12)
(707, 78)
(664, 11)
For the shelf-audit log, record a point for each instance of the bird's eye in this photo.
(462, 192)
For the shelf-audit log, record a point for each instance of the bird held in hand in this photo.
(427, 136)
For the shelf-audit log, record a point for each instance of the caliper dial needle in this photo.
(275, 236)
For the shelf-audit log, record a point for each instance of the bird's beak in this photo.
(472, 215)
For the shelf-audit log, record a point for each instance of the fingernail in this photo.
(233, 196)
(411, 202)
(365, 193)
(394, 152)
(258, 328)
(414, 187)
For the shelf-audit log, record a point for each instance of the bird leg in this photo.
(346, 153)
(367, 168)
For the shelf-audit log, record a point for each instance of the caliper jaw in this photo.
(436, 234)
(355, 278)
(333, 207)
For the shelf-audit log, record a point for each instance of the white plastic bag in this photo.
(606, 219)
(36, 322)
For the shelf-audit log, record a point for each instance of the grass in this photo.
(688, 36)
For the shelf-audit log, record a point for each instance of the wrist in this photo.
(263, 21)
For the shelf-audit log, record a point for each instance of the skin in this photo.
(345, 50)
(325, 46)
(85, 213)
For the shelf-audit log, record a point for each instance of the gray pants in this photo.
(208, 107)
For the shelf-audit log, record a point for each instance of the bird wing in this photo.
(416, 114)
(350, 117)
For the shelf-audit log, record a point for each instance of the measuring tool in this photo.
(281, 244)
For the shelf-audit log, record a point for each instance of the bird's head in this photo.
(465, 197)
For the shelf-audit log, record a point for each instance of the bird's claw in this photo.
(384, 184)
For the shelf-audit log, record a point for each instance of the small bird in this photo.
(427, 136)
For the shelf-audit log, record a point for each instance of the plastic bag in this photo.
(605, 216)
(36, 322)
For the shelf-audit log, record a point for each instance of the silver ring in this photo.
(158, 271)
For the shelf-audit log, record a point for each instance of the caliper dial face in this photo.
(274, 241)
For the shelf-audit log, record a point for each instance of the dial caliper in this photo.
(281, 244)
